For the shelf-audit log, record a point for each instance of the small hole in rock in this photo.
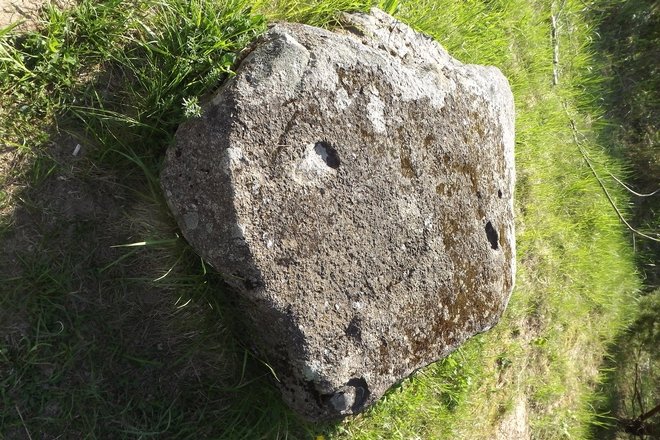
(361, 393)
(328, 154)
(492, 236)
(499, 193)
(353, 330)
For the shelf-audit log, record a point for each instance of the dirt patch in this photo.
(7, 185)
(515, 425)
(25, 11)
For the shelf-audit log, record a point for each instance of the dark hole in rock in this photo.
(328, 154)
(361, 392)
(499, 193)
(177, 152)
(492, 235)
(353, 329)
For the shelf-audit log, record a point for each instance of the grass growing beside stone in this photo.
(113, 328)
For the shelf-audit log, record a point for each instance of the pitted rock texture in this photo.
(356, 189)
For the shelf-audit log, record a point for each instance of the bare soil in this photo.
(515, 426)
(25, 11)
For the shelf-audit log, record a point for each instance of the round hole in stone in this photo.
(328, 154)
(361, 393)
(492, 236)
(353, 330)
(499, 193)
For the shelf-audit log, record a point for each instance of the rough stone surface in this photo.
(356, 189)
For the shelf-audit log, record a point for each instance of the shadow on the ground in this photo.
(629, 49)
(100, 341)
(103, 341)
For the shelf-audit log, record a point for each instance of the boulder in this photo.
(355, 188)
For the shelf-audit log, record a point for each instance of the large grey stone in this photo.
(356, 190)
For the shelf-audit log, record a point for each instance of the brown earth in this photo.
(515, 426)
(25, 11)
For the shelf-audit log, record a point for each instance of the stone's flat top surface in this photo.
(356, 188)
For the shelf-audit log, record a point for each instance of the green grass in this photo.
(629, 32)
(135, 342)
